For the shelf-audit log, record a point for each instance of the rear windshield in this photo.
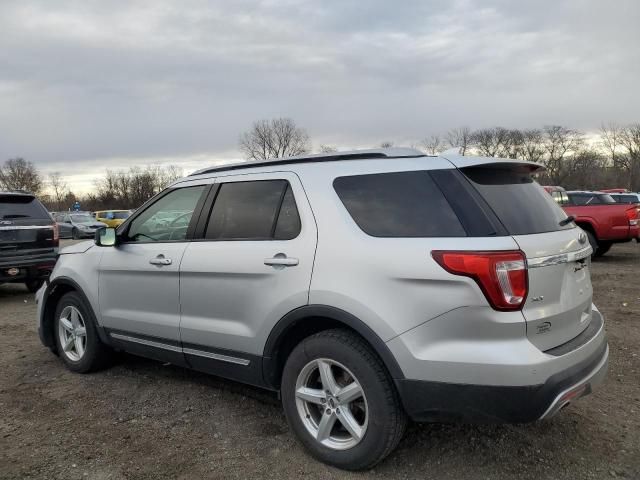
(625, 198)
(21, 207)
(521, 205)
(588, 198)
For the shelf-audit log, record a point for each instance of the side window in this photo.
(402, 204)
(168, 218)
(288, 224)
(255, 210)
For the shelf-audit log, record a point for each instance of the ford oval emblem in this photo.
(582, 238)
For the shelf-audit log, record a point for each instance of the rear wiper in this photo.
(15, 216)
(566, 221)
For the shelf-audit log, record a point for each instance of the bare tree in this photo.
(558, 143)
(630, 140)
(59, 189)
(327, 149)
(459, 137)
(532, 149)
(492, 142)
(275, 138)
(432, 145)
(20, 174)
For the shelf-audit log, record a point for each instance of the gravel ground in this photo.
(145, 420)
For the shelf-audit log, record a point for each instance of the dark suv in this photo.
(28, 240)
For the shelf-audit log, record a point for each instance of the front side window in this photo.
(255, 210)
(168, 218)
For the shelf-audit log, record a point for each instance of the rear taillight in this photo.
(632, 215)
(502, 276)
(56, 234)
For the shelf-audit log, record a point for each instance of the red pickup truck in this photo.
(597, 213)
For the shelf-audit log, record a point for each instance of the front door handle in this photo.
(281, 260)
(160, 260)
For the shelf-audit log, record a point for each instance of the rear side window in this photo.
(256, 210)
(22, 207)
(521, 205)
(399, 204)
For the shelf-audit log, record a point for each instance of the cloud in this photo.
(84, 82)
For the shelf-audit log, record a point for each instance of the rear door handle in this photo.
(281, 260)
(160, 260)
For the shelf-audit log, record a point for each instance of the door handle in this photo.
(160, 260)
(281, 260)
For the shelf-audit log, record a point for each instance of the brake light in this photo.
(56, 234)
(632, 215)
(502, 276)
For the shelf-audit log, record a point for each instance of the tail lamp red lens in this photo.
(502, 275)
(632, 215)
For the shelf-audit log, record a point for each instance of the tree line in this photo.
(574, 160)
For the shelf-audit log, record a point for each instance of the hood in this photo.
(77, 248)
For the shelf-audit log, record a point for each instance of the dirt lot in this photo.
(144, 420)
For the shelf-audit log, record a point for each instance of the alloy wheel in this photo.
(72, 332)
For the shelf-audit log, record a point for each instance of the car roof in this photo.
(455, 159)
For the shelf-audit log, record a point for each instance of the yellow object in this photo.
(113, 218)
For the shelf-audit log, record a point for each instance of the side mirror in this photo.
(106, 237)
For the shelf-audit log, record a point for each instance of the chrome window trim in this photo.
(26, 227)
(558, 259)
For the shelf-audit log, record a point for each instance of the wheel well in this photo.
(49, 310)
(587, 227)
(302, 328)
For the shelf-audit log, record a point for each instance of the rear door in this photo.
(252, 266)
(558, 306)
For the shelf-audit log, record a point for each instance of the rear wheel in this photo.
(340, 402)
(77, 337)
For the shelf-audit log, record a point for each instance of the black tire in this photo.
(96, 355)
(603, 247)
(593, 242)
(383, 403)
(33, 285)
(74, 234)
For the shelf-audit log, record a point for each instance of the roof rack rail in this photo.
(321, 157)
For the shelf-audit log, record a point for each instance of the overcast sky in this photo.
(86, 85)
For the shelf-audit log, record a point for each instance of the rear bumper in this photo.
(437, 401)
(29, 267)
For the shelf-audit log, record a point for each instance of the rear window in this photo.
(588, 198)
(625, 198)
(21, 207)
(521, 205)
(399, 204)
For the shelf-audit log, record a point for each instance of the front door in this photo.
(139, 278)
(252, 266)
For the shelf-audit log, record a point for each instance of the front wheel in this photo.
(74, 234)
(76, 335)
(340, 402)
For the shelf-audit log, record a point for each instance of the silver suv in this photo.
(367, 287)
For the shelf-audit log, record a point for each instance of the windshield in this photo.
(82, 218)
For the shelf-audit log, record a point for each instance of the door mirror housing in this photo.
(106, 237)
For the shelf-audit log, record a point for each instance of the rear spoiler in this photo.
(460, 161)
